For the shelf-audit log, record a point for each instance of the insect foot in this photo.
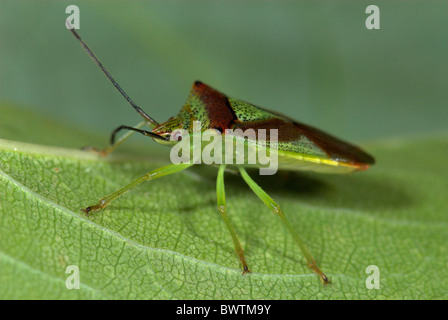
(99, 206)
(102, 153)
(312, 264)
(324, 279)
(246, 270)
(321, 275)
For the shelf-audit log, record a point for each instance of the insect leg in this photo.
(155, 174)
(104, 152)
(220, 192)
(276, 209)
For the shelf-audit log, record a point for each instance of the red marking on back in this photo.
(220, 113)
(222, 116)
(336, 149)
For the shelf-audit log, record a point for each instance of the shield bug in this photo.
(297, 147)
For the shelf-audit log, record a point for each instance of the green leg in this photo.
(104, 152)
(158, 173)
(220, 192)
(276, 209)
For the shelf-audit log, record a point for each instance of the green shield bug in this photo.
(297, 147)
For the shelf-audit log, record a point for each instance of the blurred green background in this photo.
(312, 60)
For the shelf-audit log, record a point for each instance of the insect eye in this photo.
(176, 135)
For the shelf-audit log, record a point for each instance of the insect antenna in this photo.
(143, 132)
(108, 75)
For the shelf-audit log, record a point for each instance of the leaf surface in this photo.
(166, 239)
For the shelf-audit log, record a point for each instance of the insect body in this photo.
(299, 147)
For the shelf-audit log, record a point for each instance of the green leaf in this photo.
(166, 239)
